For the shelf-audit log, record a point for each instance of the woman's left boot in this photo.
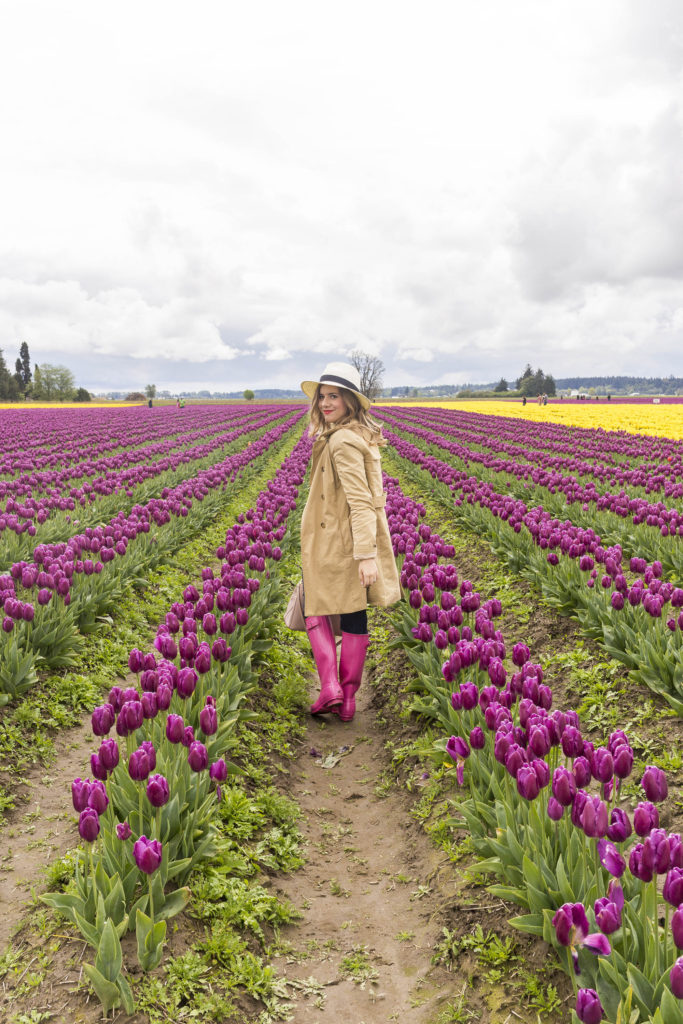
(324, 647)
(352, 659)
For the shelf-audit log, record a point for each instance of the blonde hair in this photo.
(355, 413)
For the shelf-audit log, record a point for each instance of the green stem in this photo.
(571, 971)
(656, 927)
(151, 899)
(140, 800)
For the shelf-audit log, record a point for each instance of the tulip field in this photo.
(94, 502)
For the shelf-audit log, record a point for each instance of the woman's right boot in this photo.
(351, 662)
(324, 647)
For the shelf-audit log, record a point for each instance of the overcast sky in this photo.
(229, 194)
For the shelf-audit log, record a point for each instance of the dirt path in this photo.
(42, 828)
(373, 912)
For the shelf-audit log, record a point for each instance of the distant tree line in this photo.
(45, 383)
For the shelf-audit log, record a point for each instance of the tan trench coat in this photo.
(343, 522)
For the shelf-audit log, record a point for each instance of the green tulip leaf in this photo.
(174, 902)
(532, 924)
(642, 988)
(109, 957)
(107, 993)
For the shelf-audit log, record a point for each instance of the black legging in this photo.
(354, 622)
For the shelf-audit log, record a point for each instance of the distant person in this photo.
(524, 400)
(347, 558)
(177, 403)
(149, 403)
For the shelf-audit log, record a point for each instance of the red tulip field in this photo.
(495, 837)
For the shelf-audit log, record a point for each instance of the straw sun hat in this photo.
(343, 374)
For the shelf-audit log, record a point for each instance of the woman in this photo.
(346, 554)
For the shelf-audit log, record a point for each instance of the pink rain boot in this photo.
(353, 649)
(324, 647)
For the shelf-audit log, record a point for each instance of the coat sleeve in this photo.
(347, 451)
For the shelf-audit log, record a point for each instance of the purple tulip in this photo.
(456, 747)
(157, 790)
(620, 826)
(520, 655)
(147, 853)
(175, 728)
(188, 736)
(514, 759)
(623, 761)
(603, 765)
(676, 977)
(607, 915)
(527, 782)
(219, 770)
(673, 887)
(97, 798)
(202, 661)
(89, 824)
(555, 809)
(661, 851)
(571, 929)
(97, 768)
(80, 791)
(677, 927)
(477, 738)
(676, 850)
(641, 862)
(645, 818)
(164, 696)
(208, 720)
(572, 742)
(197, 757)
(187, 682)
(123, 831)
(588, 1006)
(582, 771)
(594, 817)
(655, 785)
(138, 765)
(564, 786)
(102, 719)
(109, 754)
(610, 858)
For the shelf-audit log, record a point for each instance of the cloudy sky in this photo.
(226, 194)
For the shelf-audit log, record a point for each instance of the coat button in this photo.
(323, 525)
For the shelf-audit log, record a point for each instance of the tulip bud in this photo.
(157, 790)
(208, 720)
(645, 818)
(588, 1006)
(197, 757)
(175, 728)
(147, 853)
(655, 785)
(89, 825)
(676, 977)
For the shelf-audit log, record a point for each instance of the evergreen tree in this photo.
(502, 385)
(9, 389)
(527, 375)
(23, 368)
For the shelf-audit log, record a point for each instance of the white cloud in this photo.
(459, 191)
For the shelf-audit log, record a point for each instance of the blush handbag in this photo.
(295, 616)
(294, 613)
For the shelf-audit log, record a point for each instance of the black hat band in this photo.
(325, 377)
